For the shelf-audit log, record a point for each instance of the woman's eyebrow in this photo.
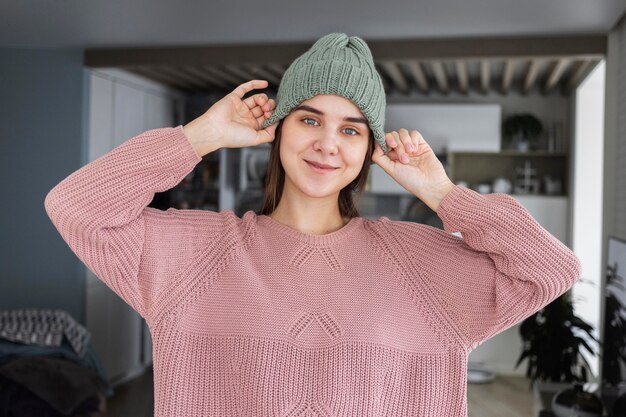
(316, 111)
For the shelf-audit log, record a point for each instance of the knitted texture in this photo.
(336, 64)
(250, 317)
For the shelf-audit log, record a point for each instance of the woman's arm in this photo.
(505, 268)
(101, 212)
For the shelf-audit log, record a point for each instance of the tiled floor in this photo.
(505, 397)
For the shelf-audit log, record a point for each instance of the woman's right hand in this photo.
(233, 122)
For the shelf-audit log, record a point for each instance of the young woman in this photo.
(308, 309)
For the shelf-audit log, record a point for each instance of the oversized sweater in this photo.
(250, 317)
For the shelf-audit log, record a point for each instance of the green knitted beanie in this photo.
(336, 64)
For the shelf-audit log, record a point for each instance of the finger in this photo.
(379, 157)
(378, 152)
(265, 110)
(391, 142)
(415, 137)
(407, 141)
(402, 156)
(257, 112)
(393, 155)
(261, 115)
(242, 89)
(267, 134)
(257, 100)
(268, 108)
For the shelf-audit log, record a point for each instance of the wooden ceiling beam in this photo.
(153, 74)
(485, 76)
(507, 75)
(185, 77)
(531, 75)
(242, 73)
(418, 75)
(263, 74)
(580, 72)
(461, 75)
(205, 75)
(394, 73)
(440, 76)
(555, 74)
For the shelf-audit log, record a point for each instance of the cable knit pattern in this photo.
(250, 317)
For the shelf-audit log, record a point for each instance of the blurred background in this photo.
(524, 98)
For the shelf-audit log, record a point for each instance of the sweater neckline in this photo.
(324, 239)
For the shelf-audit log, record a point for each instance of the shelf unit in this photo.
(484, 167)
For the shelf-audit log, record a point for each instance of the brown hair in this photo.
(275, 179)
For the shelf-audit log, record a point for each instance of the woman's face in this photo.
(326, 129)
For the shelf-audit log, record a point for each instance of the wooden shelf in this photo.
(511, 152)
(484, 167)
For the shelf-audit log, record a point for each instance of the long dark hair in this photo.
(275, 180)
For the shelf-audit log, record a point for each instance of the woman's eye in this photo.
(356, 132)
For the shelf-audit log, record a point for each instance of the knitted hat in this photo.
(336, 64)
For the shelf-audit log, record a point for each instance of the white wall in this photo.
(614, 197)
(587, 158)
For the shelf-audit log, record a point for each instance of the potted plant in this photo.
(614, 351)
(614, 329)
(552, 345)
(521, 130)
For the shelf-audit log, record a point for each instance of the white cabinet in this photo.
(120, 107)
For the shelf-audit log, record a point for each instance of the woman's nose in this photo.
(328, 142)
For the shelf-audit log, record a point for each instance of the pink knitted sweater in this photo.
(250, 317)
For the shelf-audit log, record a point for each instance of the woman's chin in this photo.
(314, 191)
(318, 194)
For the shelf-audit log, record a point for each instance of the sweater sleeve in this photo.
(101, 212)
(504, 268)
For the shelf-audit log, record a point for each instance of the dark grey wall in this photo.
(42, 98)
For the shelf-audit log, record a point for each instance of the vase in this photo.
(523, 144)
(520, 142)
(545, 391)
(577, 402)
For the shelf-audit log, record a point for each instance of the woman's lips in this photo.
(318, 169)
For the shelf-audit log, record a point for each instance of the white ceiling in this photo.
(116, 23)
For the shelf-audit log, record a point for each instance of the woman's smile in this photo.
(316, 168)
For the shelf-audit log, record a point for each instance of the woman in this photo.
(308, 309)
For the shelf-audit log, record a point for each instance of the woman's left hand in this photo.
(413, 164)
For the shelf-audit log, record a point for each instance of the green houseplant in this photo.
(614, 330)
(614, 350)
(522, 129)
(552, 346)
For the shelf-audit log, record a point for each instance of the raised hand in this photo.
(413, 164)
(233, 122)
